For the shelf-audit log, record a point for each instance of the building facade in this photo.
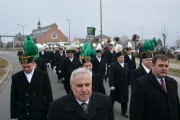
(48, 34)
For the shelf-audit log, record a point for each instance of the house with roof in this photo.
(48, 34)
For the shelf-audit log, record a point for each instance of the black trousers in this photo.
(124, 107)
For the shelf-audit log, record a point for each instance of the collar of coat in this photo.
(71, 105)
(153, 80)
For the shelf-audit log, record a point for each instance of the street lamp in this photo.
(22, 27)
(178, 39)
(142, 33)
(69, 30)
(101, 19)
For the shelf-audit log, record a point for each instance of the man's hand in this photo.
(112, 88)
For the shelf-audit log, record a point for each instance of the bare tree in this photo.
(164, 32)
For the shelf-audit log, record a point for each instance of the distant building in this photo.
(48, 34)
(104, 38)
(82, 40)
(18, 40)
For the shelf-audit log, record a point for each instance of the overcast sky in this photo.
(120, 17)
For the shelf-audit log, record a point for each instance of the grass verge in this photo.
(174, 71)
(3, 64)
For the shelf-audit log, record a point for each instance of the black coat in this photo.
(67, 69)
(118, 79)
(150, 102)
(110, 57)
(139, 72)
(41, 64)
(30, 101)
(97, 83)
(132, 66)
(77, 64)
(58, 60)
(67, 108)
(99, 67)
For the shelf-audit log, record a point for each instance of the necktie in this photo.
(84, 106)
(163, 85)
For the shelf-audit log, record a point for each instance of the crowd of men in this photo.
(154, 94)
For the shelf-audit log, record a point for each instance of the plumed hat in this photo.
(129, 46)
(147, 48)
(87, 51)
(30, 48)
(98, 48)
(118, 49)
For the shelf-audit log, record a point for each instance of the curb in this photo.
(9, 70)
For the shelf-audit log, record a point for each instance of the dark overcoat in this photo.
(67, 108)
(118, 79)
(139, 72)
(150, 102)
(99, 67)
(132, 66)
(67, 69)
(30, 101)
(97, 83)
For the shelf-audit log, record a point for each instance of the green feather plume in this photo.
(149, 45)
(30, 48)
(87, 51)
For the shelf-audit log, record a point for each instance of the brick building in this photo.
(47, 34)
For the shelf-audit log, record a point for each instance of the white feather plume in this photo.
(81, 44)
(94, 45)
(98, 47)
(118, 48)
(112, 42)
(45, 45)
(40, 47)
(102, 43)
(129, 45)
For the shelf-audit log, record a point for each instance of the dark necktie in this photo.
(84, 106)
(163, 85)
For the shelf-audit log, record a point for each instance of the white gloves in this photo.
(59, 71)
(112, 88)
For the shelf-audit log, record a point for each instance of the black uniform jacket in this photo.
(30, 101)
(150, 102)
(139, 72)
(99, 67)
(118, 79)
(67, 108)
(97, 83)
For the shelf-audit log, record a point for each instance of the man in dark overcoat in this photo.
(130, 59)
(118, 82)
(144, 68)
(99, 64)
(155, 95)
(59, 59)
(69, 107)
(110, 57)
(31, 92)
(67, 69)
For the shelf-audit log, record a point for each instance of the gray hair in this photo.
(78, 73)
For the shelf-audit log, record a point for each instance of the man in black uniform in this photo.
(110, 57)
(67, 68)
(144, 68)
(59, 59)
(118, 83)
(31, 91)
(99, 64)
(130, 59)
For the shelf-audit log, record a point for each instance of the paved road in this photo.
(57, 88)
